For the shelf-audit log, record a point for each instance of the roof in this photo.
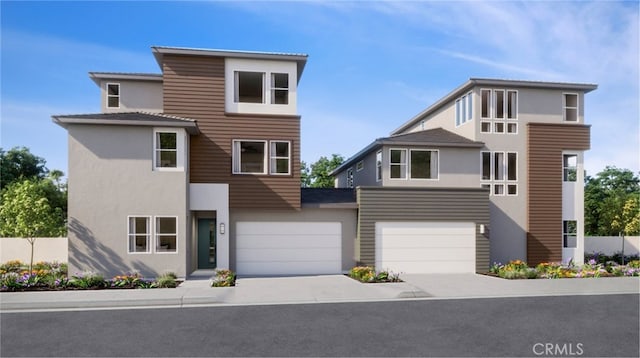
(139, 76)
(300, 58)
(438, 138)
(129, 119)
(473, 82)
(334, 198)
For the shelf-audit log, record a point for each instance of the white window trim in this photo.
(265, 157)
(119, 96)
(360, 165)
(350, 177)
(156, 239)
(464, 109)
(490, 166)
(406, 164)
(273, 88)
(564, 107)
(150, 243)
(495, 104)
(272, 156)
(495, 126)
(506, 167)
(576, 168)
(490, 109)
(567, 234)
(492, 181)
(180, 149)
(437, 166)
(506, 105)
(379, 167)
(512, 123)
(507, 189)
(236, 86)
(494, 185)
(490, 126)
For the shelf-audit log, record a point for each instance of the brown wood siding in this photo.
(421, 204)
(194, 88)
(545, 144)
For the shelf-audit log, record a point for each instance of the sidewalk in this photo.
(312, 289)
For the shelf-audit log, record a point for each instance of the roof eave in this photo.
(190, 127)
(363, 152)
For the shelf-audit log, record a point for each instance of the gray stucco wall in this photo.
(347, 217)
(111, 177)
(134, 96)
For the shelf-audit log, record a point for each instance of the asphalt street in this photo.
(600, 325)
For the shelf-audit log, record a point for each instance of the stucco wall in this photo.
(610, 245)
(45, 249)
(134, 96)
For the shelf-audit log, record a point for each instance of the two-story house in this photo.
(516, 146)
(198, 167)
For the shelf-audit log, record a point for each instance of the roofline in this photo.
(366, 150)
(98, 76)
(472, 82)
(300, 58)
(63, 121)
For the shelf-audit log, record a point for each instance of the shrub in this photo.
(224, 278)
(367, 274)
(9, 281)
(87, 280)
(166, 280)
(11, 266)
(131, 280)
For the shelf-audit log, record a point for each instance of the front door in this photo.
(206, 243)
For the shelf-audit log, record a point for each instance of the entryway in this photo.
(206, 244)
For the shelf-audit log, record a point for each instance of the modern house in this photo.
(197, 167)
(522, 142)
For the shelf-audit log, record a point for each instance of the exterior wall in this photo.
(610, 245)
(347, 217)
(546, 142)
(111, 176)
(545, 105)
(139, 95)
(445, 117)
(424, 204)
(45, 249)
(364, 177)
(209, 201)
(194, 87)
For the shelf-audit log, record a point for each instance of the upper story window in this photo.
(360, 165)
(249, 87)
(379, 165)
(570, 104)
(569, 167)
(350, 177)
(279, 88)
(421, 164)
(113, 95)
(497, 108)
(250, 157)
(280, 157)
(398, 163)
(464, 109)
(168, 149)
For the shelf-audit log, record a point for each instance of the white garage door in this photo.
(288, 248)
(426, 247)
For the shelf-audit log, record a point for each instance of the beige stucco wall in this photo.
(45, 249)
(610, 245)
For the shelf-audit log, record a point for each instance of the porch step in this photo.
(201, 275)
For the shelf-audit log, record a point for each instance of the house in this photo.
(197, 167)
(517, 144)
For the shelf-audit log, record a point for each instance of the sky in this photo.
(372, 65)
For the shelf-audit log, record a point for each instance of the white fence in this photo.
(609, 245)
(45, 249)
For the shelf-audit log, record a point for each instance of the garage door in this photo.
(288, 248)
(426, 247)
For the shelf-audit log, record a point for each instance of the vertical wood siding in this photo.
(545, 144)
(423, 204)
(194, 88)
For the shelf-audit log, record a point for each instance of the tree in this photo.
(26, 213)
(605, 198)
(18, 163)
(305, 175)
(319, 177)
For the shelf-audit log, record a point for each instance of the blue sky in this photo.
(372, 65)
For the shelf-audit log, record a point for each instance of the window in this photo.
(464, 109)
(498, 189)
(424, 164)
(249, 157)
(570, 107)
(113, 95)
(379, 166)
(512, 105)
(486, 165)
(512, 189)
(249, 87)
(360, 165)
(499, 127)
(485, 127)
(512, 166)
(166, 234)
(498, 167)
(569, 233)
(280, 157)
(458, 112)
(279, 88)
(139, 234)
(570, 167)
(398, 163)
(350, 178)
(499, 104)
(512, 128)
(166, 149)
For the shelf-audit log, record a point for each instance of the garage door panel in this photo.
(286, 241)
(408, 242)
(280, 254)
(292, 228)
(287, 268)
(431, 254)
(421, 230)
(430, 267)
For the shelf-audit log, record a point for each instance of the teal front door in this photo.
(206, 243)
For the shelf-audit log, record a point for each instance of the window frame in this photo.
(515, 126)
(350, 177)
(464, 109)
(180, 149)
(506, 183)
(566, 234)
(156, 234)
(275, 157)
(406, 164)
(360, 165)
(148, 234)
(489, 104)
(565, 167)
(273, 88)
(490, 127)
(482, 166)
(378, 166)
(411, 150)
(565, 107)
(118, 96)
(236, 86)
(235, 154)
(507, 103)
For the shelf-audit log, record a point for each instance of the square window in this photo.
(398, 164)
(249, 157)
(485, 127)
(139, 234)
(166, 234)
(280, 157)
(498, 189)
(512, 128)
(512, 189)
(498, 127)
(249, 87)
(424, 164)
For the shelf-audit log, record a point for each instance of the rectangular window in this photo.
(469, 106)
(280, 157)
(498, 165)
(249, 157)
(398, 163)
(139, 233)
(486, 165)
(249, 87)
(379, 166)
(485, 127)
(360, 165)
(458, 112)
(570, 107)
(424, 164)
(512, 128)
(166, 150)
(569, 233)
(279, 88)
(498, 127)
(498, 189)
(350, 178)
(570, 167)
(166, 234)
(512, 166)
(113, 95)
(486, 103)
(499, 104)
(512, 189)
(512, 105)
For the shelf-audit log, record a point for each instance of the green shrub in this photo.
(224, 278)
(166, 280)
(11, 266)
(87, 280)
(367, 274)
(131, 280)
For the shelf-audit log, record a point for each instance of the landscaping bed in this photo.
(518, 269)
(53, 276)
(367, 274)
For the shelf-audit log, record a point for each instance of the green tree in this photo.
(605, 197)
(18, 163)
(319, 177)
(26, 213)
(305, 175)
